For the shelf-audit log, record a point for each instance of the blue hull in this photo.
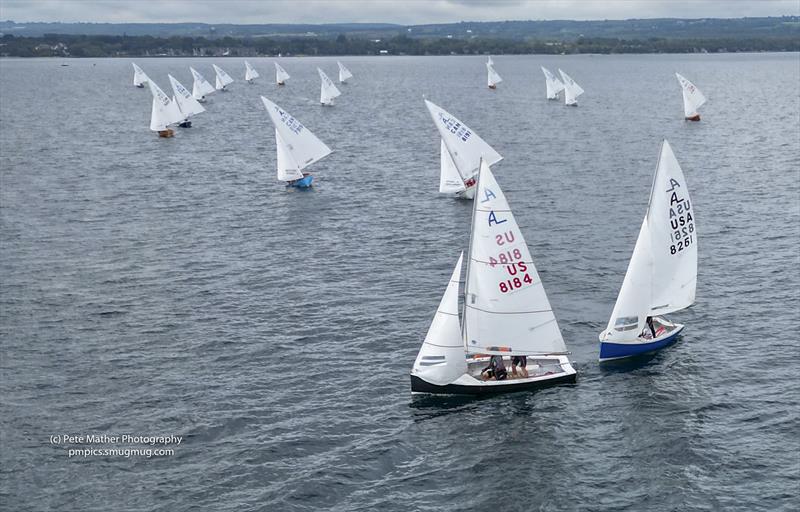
(610, 351)
(304, 182)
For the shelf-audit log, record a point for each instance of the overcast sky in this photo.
(410, 12)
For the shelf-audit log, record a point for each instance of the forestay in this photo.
(506, 310)
(494, 78)
(297, 146)
(441, 359)
(662, 274)
(165, 111)
(554, 85)
(139, 76)
(280, 74)
(571, 89)
(464, 145)
(250, 72)
(450, 181)
(328, 91)
(201, 86)
(186, 102)
(344, 73)
(692, 97)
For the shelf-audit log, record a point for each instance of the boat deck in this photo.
(537, 367)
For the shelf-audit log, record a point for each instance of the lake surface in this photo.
(174, 287)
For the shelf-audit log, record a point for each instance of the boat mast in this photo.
(469, 256)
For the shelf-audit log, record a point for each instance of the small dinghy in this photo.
(165, 112)
(201, 87)
(344, 73)
(280, 75)
(493, 78)
(554, 85)
(186, 102)
(571, 90)
(328, 90)
(461, 151)
(506, 314)
(139, 76)
(223, 78)
(692, 99)
(297, 147)
(250, 74)
(662, 273)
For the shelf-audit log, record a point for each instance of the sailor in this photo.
(650, 324)
(522, 361)
(495, 370)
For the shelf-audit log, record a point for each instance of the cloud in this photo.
(410, 12)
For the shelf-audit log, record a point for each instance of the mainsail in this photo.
(506, 310)
(328, 91)
(139, 76)
(554, 85)
(280, 74)
(662, 273)
(493, 78)
(297, 146)
(186, 102)
(692, 97)
(223, 78)
(165, 111)
(250, 73)
(344, 73)
(201, 86)
(571, 89)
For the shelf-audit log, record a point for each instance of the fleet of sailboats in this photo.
(328, 90)
(297, 147)
(280, 75)
(344, 73)
(250, 74)
(506, 313)
(662, 273)
(692, 98)
(571, 90)
(223, 78)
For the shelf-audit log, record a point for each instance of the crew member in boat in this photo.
(496, 369)
(522, 361)
(650, 325)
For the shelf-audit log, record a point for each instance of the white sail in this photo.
(450, 181)
(297, 146)
(692, 97)
(344, 73)
(490, 61)
(506, 310)
(280, 74)
(494, 78)
(201, 86)
(250, 73)
(554, 85)
(186, 102)
(139, 76)
(662, 274)
(441, 359)
(571, 89)
(223, 78)
(328, 91)
(165, 111)
(466, 148)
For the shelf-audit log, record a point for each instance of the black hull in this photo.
(420, 386)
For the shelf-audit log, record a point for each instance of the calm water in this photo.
(174, 287)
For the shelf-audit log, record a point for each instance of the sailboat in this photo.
(223, 78)
(344, 73)
(201, 86)
(506, 312)
(185, 101)
(692, 99)
(662, 273)
(571, 90)
(328, 91)
(461, 151)
(250, 74)
(494, 78)
(554, 85)
(280, 75)
(490, 61)
(165, 112)
(139, 76)
(297, 147)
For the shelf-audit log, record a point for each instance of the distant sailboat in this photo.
(571, 90)
(662, 273)
(165, 112)
(328, 90)
(506, 313)
(461, 150)
(493, 77)
(554, 85)
(201, 86)
(223, 78)
(344, 73)
(280, 75)
(490, 61)
(692, 99)
(186, 102)
(250, 74)
(139, 76)
(297, 147)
